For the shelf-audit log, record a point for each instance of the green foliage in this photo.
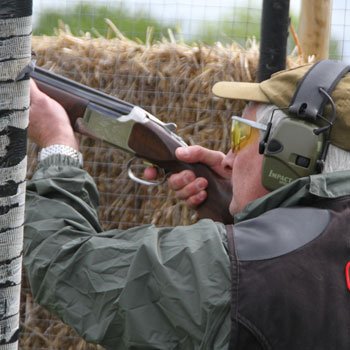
(241, 24)
(236, 26)
(89, 18)
(334, 52)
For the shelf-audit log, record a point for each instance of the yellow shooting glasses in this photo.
(242, 131)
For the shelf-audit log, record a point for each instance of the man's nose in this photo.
(227, 162)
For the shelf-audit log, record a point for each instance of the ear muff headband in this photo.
(308, 101)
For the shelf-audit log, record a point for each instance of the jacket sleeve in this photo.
(145, 287)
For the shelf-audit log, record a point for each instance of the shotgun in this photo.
(134, 130)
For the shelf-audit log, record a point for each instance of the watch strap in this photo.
(61, 150)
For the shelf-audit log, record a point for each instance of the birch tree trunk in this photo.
(15, 55)
(314, 28)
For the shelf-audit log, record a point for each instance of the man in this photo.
(277, 279)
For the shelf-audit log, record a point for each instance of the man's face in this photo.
(246, 166)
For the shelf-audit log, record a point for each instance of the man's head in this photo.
(278, 92)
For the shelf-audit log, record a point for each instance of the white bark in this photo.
(15, 55)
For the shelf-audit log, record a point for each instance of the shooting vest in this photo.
(290, 270)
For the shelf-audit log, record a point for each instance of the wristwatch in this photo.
(62, 150)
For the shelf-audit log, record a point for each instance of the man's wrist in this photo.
(61, 150)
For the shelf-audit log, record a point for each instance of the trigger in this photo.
(141, 181)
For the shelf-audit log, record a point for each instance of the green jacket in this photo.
(145, 287)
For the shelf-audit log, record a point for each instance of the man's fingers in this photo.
(150, 173)
(198, 154)
(194, 154)
(180, 180)
(196, 200)
(191, 189)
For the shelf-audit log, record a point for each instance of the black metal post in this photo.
(274, 35)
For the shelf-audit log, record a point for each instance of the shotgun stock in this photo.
(135, 131)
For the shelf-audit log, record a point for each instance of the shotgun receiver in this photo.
(135, 131)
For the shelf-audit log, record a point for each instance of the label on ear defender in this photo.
(283, 180)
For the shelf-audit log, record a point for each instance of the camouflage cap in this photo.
(279, 90)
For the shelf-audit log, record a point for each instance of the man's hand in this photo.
(186, 185)
(48, 121)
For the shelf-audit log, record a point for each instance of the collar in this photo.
(305, 189)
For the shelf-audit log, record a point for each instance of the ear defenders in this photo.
(298, 145)
(291, 152)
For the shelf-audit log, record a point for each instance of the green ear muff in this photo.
(292, 151)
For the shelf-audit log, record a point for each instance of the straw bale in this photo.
(170, 80)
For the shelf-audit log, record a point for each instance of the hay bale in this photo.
(173, 82)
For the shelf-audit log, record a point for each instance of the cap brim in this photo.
(240, 91)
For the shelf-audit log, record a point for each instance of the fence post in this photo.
(15, 54)
(314, 28)
(274, 35)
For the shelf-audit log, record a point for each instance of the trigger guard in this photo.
(133, 177)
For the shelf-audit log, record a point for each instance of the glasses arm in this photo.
(251, 123)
